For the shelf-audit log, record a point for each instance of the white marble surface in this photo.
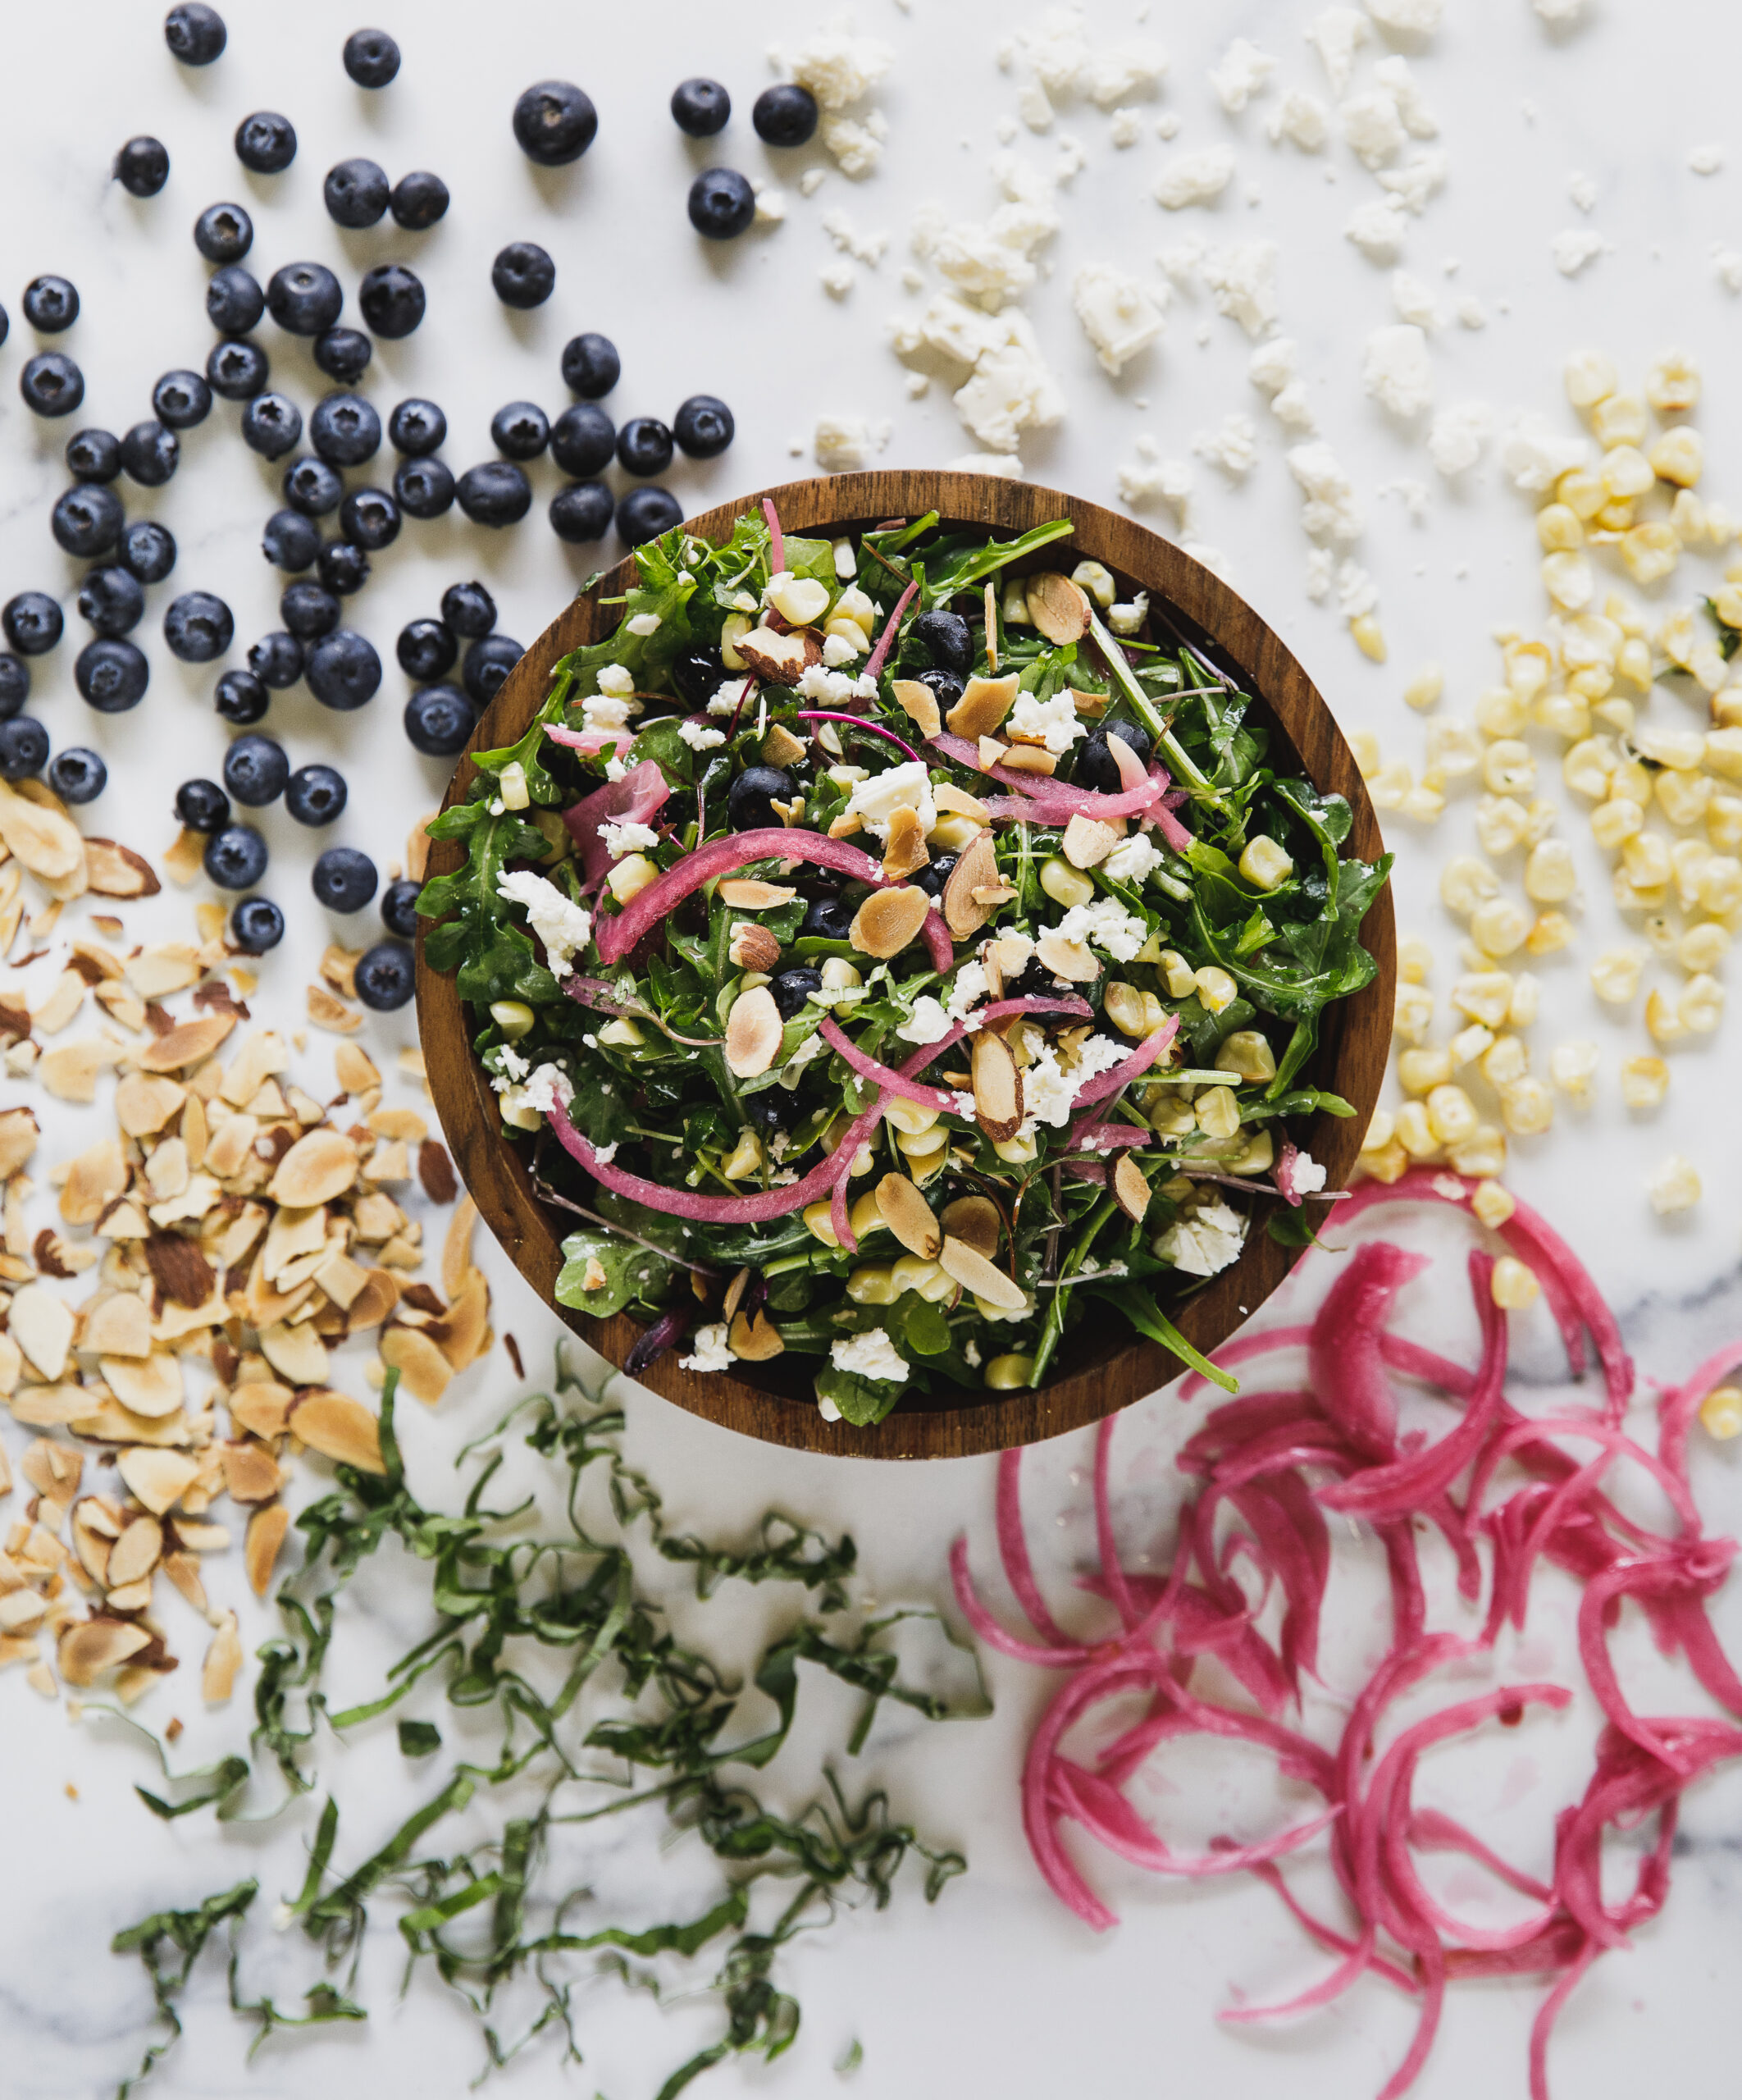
(996, 1986)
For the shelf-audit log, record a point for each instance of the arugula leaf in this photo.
(419, 1738)
(630, 1273)
(863, 1402)
(964, 559)
(1147, 1317)
(494, 957)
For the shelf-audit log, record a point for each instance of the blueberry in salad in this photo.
(899, 958)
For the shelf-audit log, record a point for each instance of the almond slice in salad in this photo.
(1088, 842)
(959, 801)
(973, 1219)
(756, 1339)
(1065, 958)
(919, 703)
(997, 1086)
(983, 705)
(973, 1272)
(887, 920)
(908, 1217)
(905, 850)
(746, 893)
(780, 748)
(781, 659)
(1130, 1190)
(1058, 607)
(976, 868)
(1030, 758)
(753, 1033)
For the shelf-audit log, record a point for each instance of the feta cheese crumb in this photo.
(1142, 482)
(1122, 70)
(1302, 119)
(856, 147)
(1308, 1176)
(1125, 127)
(1574, 248)
(1053, 722)
(1206, 1242)
(966, 992)
(1132, 862)
(1406, 18)
(1396, 371)
(1395, 77)
(1726, 267)
(1198, 178)
(545, 1088)
(1011, 390)
(1233, 445)
(1004, 464)
(1371, 127)
(838, 68)
(1330, 511)
(605, 1154)
(615, 681)
(928, 1023)
(869, 1355)
(1582, 192)
(1105, 922)
(771, 206)
(1118, 317)
(1560, 14)
(1321, 569)
(709, 1350)
(1271, 366)
(1245, 71)
(622, 838)
(1242, 280)
(1707, 158)
(1674, 1186)
(564, 927)
(837, 279)
(868, 247)
(1414, 185)
(1377, 228)
(843, 445)
(698, 737)
(1413, 300)
(643, 623)
(1129, 618)
(1336, 34)
(1535, 455)
(907, 785)
(1456, 436)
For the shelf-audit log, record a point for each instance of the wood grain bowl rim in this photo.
(1099, 1376)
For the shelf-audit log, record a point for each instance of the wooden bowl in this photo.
(1101, 1368)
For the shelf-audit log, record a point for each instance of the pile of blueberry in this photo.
(721, 203)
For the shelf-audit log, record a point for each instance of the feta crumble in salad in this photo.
(896, 959)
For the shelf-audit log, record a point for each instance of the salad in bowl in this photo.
(895, 950)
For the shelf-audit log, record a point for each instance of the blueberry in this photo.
(277, 659)
(50, 304)
(23, 748)
(203, 805)
(315, 794)
(195, 34)
(6, 324)
(369, 519)
(583, 440)
(344, 879)
(792, 987)
(521, 431)
(272, 425)
(1096, 769)
(554, 122)
(469, 610)
(426, 651)
(936, 872)
(786, 115)
(198, 627)
(751, 798)
(223, 233)
(94, 455)
(342, 568)
(387, 976)
(86, 519)
(416, 428)
(255, 770)
(590, 365)
(700, 107)
(236, 857)
(237, 370)
(487, 663)
(827, 919)
(645, 514)
(33, 622)
(342, 354)
(149, 549)
(308, 610)
(78, 775)
(581, 512)
(241, 698)
(305, 298)
(495, 493)
(523, 274)
(399, 907)
(722, 203)
(266, 142)
(142, 166)
(51, 384)
(291, 541)
(181, 400)
(644, 446)
(233, 300)
(345, 430)
(111, 674)
(257, 924)
(945, 686)
(418, 200)
(150, 453)
(946, 639)
(312, 487)
(111, 601)
(423, 488)
(15, 684)
(343, 671)
(371, 58)
(704, 426)
(392, 300)
(438, 720)
(698, 674)
(356, 192)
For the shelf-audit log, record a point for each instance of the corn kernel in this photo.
(1690, 517)
(1550, 932)
(1591, 640)
(1631, 782)
(838, 975)
(816, 1217)
(1721, 1413)
(1679, 456)
(1650, 551)
(1644, 1082)
(1498, 927)
(1724, 822)
(1170, 1116)
(1216, 990)
(744, 1159)
(1502, 711)
(1672, 383)
(1613, 823)
(1506, 1062)
(1723, 752)
(1484, 995)
(1582, 492)
(1414, 1011)
(1703, 946)
(1414, 1132)
(1265, 865)
(1550, 877)
(1528, 667)
(1386, 787)
(1380, 1131)
(1009, 1374)
(1259, 1155)
(1683, 796)
(1365, 745)
(1423, 690)
(922, 1144)
(1493, 1204)
(1097, 580)
(1063, 883)
(1662, 1023)
(1626, 472)
(1674, 1186)
(1707, 667)
(1688, 861)
(1482, 1153)
(914, 1273)
(1470, 1044)
(1389, 1162)
(1465, 883)
(737, 626)
(622, 1034)
(1568, 580)
(1720, 885)
(1619, 419)
(1247, 1054)
(1521, 1008)
(1419, 1072)
(1590, 378)
(1368, 636)
(1617, 714)
(1630, 896)
(1017, 1151)
(1528, 1108)
(1415, 958)
(1512, 1286)
(630, 876)
(1646, 858)
(1616, 515)
(1123, 1005)
(1569, 713)
(1683, 749)
(1501, 823)
(1451, 749)
(1588, 766)
(514, 1017)
(1558, 528)
(1701, 1005)
(1633, 663)
(1615, 975)
(1452, 1115)
(1509, 767)
(1572, 1066)
(1218, 1111)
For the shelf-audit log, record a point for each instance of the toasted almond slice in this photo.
(316, 1168)
(93, 1181)
(167, 1170)
(341, 1278)
(183, 1570)
(12, 1366)
(991, 752)
(403, 1124)
(1130, 1189)
(190, 1042)
(118, 871)
(46, 841)
(905, 849)
(456, 1250)
(96, 1645)
(185, 858)
(293, 1233)
(150, 1386)
(919, 703)
(973, 1272)
(90, 1544)
(262, 1057)
(70, 1070)
(266, 1535)
(195, 1129)
(262, 1406)
(202, 1538)
(756, 1340)
(157, 1477)
(997, 1086)
(60, 1004)
(135, 1553)
(460, 1333)
(976, 868)
(973, 1220)
(1068, 959)
(417, 844)
(217, 1676)
(374, 1302)
(984, 704)
(331, 1014)
(909, 1215)
(753, 1032)
(41, 1325)
(747, 893)
(355, 1068)
(424, 1372)
(295, 1352)
(164, 967)
(228, 1148)
(959, 801)
(1030, 758)
(121, 1325)
(340, 1428)
(888, 920)
(1058, 607)
(177, 1320)
(144, 1103)
(1088, 842)
(18, 1136)
(780, 748)
(781, 659)
(251, 1473)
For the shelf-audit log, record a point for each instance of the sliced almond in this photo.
(752, 946)
(96, 1645)
(144, 1102)
(753, 1032)
(185, 857)
(888, 920)
(262, 1406)
(11, 1364)
(93, 1181)
(341, 1278)
(340, 1429)
(909, 1215)
(991, 752)
(217, 1676)
(1130, 1189)
(189, 1043)
(262, 1057)
(1030, 758)
(903, 849)
(150, 1386)
(292, 1233)
(163, 967)
(373, 1302)
(976, 868)
(135, 1553)
(90, 1544)
(331, 1014)
(53, 1406)
(266, 1535)
(202, 1538)
(997, 1086)
(296, 1353)
(119, 1326)
(157, 1477)
(919, 703)
(118, 871)
(1058, 607)
(195, 1129)
(460, 1333)
(41, 1325)
(1088, 842)
(121, 1000)
(456, 1250)
(183, 1570)
(60, 1004)
(17, 1140)
(781, 659)
(200, 1194)
(20, 1610)
(70, 1070)
(251, 1473)
(747, 893)
(780, 748)
(424, 1372)
(47, 842)
(984, 703)
(356, 1070)
(959, 801)
(316, 1168)
(756, 1340)
(974, 1220)
(974, 1273)
(227, 1149)
(404, 1124)
(167, 1170)
(1067, 959)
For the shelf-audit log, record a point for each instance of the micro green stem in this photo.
(1053, 1327)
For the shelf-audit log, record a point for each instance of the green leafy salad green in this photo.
(895, 948)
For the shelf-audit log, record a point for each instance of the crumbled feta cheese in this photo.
(1056, 49)
(1271, 366)
(928, 1023)
(1377, 228)
(614, 680)
(1011, 388)
(612, 713)
(1245, 71)
(1033, 106)
(1118, 317)
(564, 927)
(1183, 260)
(1707, 158)
(1357, 592)
(1053, 722)
(708, 1350)
(1106, 923)
(605, 1154)
(839, 68)
(1233, 445)
(1122, 70)
(1413, 300)
(1242, 280)
(1456, 436)
(827, 1408)
(545, 1088)
(1198, 178)
(1071, 160)
(1142, 482)
(771, 205)
(1560, 14)
(1472, 313)
(969, 987)
(643, 623)
(1005, 465)
(1674, 1186)
(1129, 618)
(1125, 127)
(904, 787)
(1292, 408)
(1335, 35)
(844, 444)
(1396, 371)
(1302, 119)
(868, 248)
(511, 1067)
(812, 1045)
(1205, 1243)
(812, 180)
(869, 1355)
(1330, 511)
(1308, 1175)
(1535, 455)
(856, 147)
(971, 1354)
(1582, 192)
(1321, 568)
(615, 768)
(1726, 267)
(1371, 126)
(837, 279)
(817, 681)
(1574, 248)
(1049, 1092)
(1412, 185)
(726, 698)
(622, 838)
(1132, 862)
(1394, 76)
(698, 737)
